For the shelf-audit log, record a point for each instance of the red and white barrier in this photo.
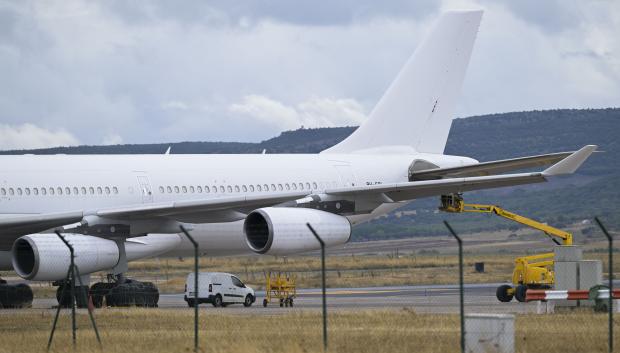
(541, 294)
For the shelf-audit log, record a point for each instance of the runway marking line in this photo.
(346, 292)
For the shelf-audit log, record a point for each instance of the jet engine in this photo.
(283, 230)
(44, 257)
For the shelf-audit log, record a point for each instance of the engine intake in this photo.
(44, 257)
(283, 230)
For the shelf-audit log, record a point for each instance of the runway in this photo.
(422, 299)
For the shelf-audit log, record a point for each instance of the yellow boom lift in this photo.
(534, 271)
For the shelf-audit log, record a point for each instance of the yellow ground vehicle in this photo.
(280, 286)
(535, 271)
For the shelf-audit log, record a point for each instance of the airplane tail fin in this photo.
(415, 113)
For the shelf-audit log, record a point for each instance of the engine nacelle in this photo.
(44, 257)
(283, 230)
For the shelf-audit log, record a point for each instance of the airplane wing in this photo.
(417, 189)
(233, 208)
(489, 168)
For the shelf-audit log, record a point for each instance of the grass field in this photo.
(139, 330)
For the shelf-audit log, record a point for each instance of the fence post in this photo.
(610, 241)
(322, 284)
(196, 298)
(461, 289)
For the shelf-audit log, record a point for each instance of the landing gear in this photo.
(14, 296)
(124, 292)
(64, 299)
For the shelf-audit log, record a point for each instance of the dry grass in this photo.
(343, 271)
(138, 330)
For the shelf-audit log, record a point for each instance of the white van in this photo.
(219, 289)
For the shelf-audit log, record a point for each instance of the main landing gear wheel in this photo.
(15, 296)
(133, 293)
(125, 293)
(81, 296)
(504, 293)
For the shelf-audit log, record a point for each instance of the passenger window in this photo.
(51, 191)
(308, 186)
(75, 190)
(245, 188)
(19, 191)
(169, 189)
(237, 282)
(68, 190)
(184, 188)
(161, 190)
(280, 187)
(314, 186)
(11, 192)
(273, 187)
(301, 186)
(43, 191)
(199, 189)
(251, 188)
(294, 186)
(229, 188)
(176, 189)
(59, 190)
(115, 189)
(266, 187)
(191, 189)
(3, 192)
(107, 190)
(91, 190)
(99, 190)
(258, 188)
(222, 190)
(27, 191)
(287, 186)
(214, 189)
(237, 188)
(83, 189)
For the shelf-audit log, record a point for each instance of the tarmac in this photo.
(421, 299)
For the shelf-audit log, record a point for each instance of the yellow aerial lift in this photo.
(534, 271)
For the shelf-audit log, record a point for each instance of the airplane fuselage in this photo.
(32, 184)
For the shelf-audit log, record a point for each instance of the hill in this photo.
(594, 190)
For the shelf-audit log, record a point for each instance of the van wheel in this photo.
(217, 301)
(248, 301)
(190, 303)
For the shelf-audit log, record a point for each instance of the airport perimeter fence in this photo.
(453, 317)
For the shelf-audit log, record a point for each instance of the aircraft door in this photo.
(145, 189)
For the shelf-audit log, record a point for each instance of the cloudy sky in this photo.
(87, 72)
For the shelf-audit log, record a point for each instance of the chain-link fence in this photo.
(392, 300)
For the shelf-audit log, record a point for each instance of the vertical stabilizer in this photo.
(415, 113)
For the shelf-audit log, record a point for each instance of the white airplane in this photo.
(119, 208)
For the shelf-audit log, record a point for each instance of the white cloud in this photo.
(27, 136)
(314, 112)
(175, 105)
(112, 139)
(154, 72)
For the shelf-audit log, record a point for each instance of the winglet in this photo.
(571, 163)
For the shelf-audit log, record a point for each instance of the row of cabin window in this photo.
(237, 188)
(100, 190)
